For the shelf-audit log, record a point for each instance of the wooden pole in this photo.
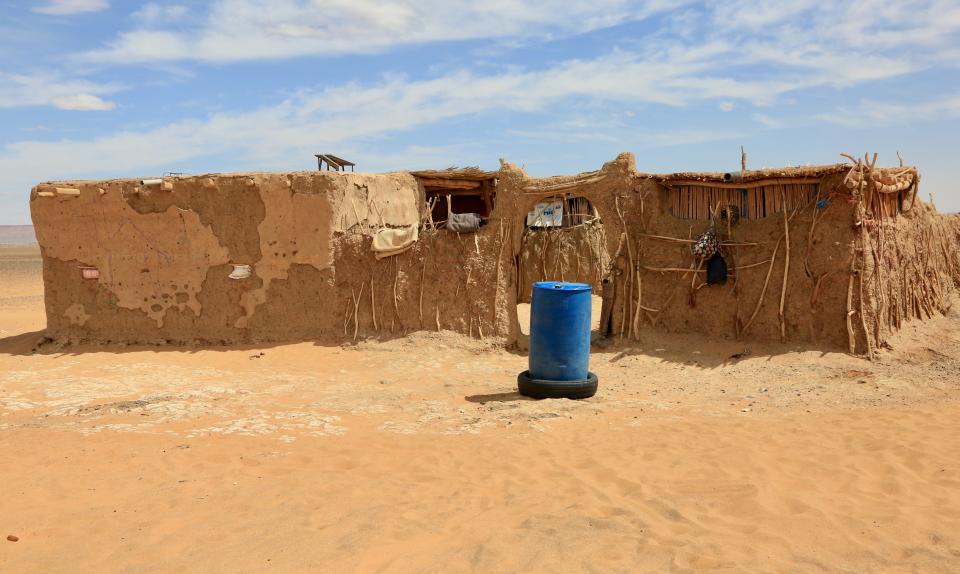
(763, 291)
(786, 273)
(373, 307)
(423, 270)
(356, 308)
(630, 269)
(851, 339)
(636, 313)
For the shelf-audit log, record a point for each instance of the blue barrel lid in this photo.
(562, 286)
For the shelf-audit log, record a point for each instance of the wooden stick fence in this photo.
(696, 202)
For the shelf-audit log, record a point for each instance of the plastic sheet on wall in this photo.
(546, 214)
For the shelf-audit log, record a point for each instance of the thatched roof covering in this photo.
(751, 178)
(894, 178)
(563, 182)
(458, 173)
(805, 172)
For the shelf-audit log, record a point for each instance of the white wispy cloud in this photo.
(767, 121)
(864, 24)
(84, 103)
(270, 136)
(870, 113)
(68, 7)
(735, 55)
(672, 74)
(639, 139)
(237, 30)
(152, 14)
(52, 89)
(792, 32)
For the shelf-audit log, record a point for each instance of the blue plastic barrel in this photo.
(560, 331)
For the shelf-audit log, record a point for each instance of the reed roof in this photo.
(473, 173)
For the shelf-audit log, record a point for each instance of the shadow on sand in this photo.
(692, 350)
(498, 398)
(37, 343)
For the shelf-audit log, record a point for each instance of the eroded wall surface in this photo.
(168, 258)
(820, 275)
(786, 273)
(658, 290)
(148, 263)
(165, 254)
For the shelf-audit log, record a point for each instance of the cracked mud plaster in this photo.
(303, 211)
(151, 262)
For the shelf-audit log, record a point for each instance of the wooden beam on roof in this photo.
(563, 185)
(440, 192)
(742, 184)
(340, 160)
(485, 188)
(332, 161)
(469, 173)
(450, 183)
(329, 161)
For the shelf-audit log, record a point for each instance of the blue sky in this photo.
(103, 88)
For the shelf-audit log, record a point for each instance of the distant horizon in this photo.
(17, 235)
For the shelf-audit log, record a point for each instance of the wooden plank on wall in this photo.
(485, 190)
(757, 202)
(451, 184)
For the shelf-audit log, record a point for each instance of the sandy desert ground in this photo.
(416, 455)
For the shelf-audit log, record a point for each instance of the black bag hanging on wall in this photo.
(716, 270)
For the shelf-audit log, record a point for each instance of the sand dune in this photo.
(415, 455)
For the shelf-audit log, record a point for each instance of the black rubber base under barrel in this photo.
(540, 389)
